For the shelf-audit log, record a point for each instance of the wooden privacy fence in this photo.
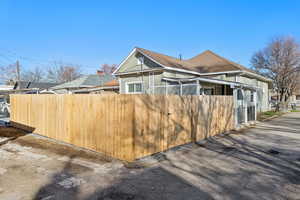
(124, 126)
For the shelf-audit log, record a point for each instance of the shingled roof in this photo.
(206, 62)
(86, 81)
(33, 85)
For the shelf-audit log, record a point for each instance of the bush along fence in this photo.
(126, 127)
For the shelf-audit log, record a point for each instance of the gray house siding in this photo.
(148, 80)
(131, 64)
(262, 93)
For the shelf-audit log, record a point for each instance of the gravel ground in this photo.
(257, 163)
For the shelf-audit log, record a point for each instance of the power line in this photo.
(11, 57)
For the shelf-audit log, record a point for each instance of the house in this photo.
(110, 87)
(6, 87)
(83, 82)
(296, 98)
(31, 87)
(145, 71)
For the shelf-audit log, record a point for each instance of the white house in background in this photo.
(6, 87)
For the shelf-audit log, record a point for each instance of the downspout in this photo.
(180, 88)
(142, 61)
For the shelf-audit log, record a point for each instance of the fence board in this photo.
(126, 127)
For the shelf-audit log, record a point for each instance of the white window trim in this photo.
(131, 82)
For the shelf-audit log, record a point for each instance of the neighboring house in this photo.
(111, 87)
(4, 88)
(145, 71)
(296, 98)
(83, 82)
(31, 87)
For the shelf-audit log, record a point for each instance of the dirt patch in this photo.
(63, 149)
(11, 132)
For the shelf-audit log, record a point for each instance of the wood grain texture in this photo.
(126, 127)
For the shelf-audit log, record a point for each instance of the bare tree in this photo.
(280, 61)
(10, 73)
(108, 69)
(35, 75)
(61, 72)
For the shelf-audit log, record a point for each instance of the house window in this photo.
(208, 91)
(140, 60)
(298, 97)
(252, 97)
(134, 88)
(240, 95)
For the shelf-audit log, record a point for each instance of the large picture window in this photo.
(298, 97)
(134, 88)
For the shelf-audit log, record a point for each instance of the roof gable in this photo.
(202, 64)
(208, 58)
(213, 60)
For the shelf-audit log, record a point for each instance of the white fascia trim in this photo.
(217, 82)
(96, 89)
(259, 76)
(139, 71)
(120, 65)
(181, 70)
(225, 72)
(205, 80)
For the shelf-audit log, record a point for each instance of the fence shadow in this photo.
(248, 160)
(53, 190)
(155, 183)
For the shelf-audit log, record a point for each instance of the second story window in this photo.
(140, 60)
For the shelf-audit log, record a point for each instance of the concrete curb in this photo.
(273, 117)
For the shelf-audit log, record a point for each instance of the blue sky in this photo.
(91, 33)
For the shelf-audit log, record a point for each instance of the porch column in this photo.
(166, 88)
(198, 87)
(180, 88)
(255, 104)
(235, 107)
(245, 105)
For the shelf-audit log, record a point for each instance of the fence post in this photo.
(245, 105)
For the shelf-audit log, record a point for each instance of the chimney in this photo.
(100, 72)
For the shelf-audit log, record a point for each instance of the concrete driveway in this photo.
(258, 163)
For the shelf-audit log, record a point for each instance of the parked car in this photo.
(5, 106)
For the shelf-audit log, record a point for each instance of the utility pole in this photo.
(18, 70)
